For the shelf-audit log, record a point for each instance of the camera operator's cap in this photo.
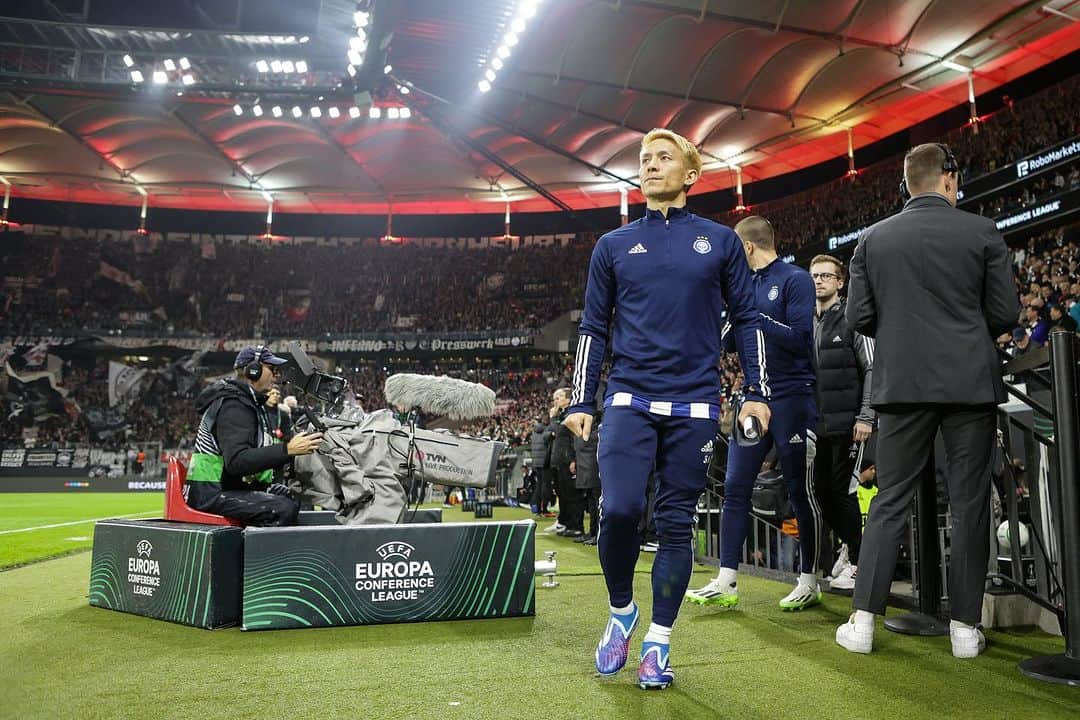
(260, 354)
(1019, 334)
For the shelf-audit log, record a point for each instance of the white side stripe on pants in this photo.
(811, 499)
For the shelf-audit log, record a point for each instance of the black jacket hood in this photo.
(224, 388)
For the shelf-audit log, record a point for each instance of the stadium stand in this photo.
(165, 289)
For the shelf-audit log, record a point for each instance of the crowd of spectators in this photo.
(1048, 279)
(283, 290)
(1017, 130)
(288, 290)
(305, 291)
(162, 414)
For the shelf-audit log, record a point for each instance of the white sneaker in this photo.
(715, 593)
(842, 561)
(846, 579)
(650, 547)
(967, 641)
(802, 597)
(855, 638)
(554, 527)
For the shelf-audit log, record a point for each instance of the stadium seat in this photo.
(177, 509)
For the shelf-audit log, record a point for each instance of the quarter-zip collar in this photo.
(674, 214)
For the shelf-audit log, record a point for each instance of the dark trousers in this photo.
(836, 459)
(790, 430)
(251, 507)
(592, 508)
(632, 444)
(571, 500)
(543, 497)
(905, 437)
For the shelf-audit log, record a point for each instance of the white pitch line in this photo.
(77, 522)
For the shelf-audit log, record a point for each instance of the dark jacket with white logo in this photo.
(656, 294)
(844, 360)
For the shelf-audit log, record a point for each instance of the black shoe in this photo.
(581, 538)
(570, 533)
(590, 540)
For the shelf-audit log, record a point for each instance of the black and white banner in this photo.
(123, 383)
(373, 343)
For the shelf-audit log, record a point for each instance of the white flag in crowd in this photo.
(119, 276)
(37, 355)
(115, 274)
(123, 383)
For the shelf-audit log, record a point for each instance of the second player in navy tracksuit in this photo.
(785, 298)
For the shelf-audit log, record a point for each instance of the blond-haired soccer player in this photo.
(657, 292)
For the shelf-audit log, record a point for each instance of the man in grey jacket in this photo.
(933, 286)
(843, 359)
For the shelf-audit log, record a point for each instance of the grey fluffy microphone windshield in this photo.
(440, 395)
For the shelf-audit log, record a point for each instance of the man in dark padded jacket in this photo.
(238, 447)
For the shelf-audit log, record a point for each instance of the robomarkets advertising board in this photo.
(319, 576)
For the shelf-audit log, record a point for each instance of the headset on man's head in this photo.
(253, 371)
(949, 165)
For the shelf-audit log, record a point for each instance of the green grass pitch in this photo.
(62, 658)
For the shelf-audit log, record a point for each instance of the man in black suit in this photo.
(933, 286)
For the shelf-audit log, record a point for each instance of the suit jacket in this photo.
(934, 287)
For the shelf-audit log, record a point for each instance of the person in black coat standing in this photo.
(543, 497)
(933, 286)
(571, 500)
(844, 362)
(587, 480)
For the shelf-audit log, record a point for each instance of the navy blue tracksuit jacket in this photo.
(667, 281)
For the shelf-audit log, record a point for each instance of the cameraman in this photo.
(237, 449)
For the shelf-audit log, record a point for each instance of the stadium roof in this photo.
(770, 86)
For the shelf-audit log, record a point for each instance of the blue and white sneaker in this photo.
(614, 646)
(655, 671)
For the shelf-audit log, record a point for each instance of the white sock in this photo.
(864, 619)
(629, 609)
(658, 634)
(727, 577)
(808, 579)
(957, 625)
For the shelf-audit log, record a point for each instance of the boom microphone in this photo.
(442, 395)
